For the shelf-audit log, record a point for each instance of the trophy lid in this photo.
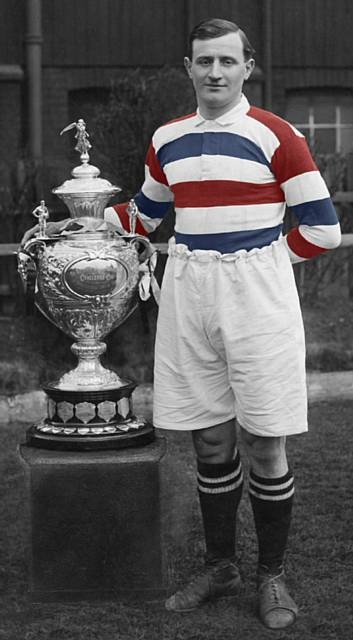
(85, 180)
(85, 176)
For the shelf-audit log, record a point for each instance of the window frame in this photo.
(310, 127)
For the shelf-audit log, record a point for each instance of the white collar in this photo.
(227, 118)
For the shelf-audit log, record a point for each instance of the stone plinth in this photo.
(96, 526)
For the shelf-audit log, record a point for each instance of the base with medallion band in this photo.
(90, 420)
(87, 283)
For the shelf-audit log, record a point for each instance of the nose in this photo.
(215, 72)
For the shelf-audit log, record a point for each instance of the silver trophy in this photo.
(87, 283)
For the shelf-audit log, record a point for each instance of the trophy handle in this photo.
(36, 243)
(148, 261)
(27, 268)
(137, 241)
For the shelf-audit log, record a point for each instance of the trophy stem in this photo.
(89, 372)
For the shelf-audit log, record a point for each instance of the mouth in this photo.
(215, 86)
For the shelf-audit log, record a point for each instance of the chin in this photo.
(215, 103)
(213, 98)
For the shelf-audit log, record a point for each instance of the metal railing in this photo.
(11, 249)
(9, 290)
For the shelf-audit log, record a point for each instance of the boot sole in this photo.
(228, 596)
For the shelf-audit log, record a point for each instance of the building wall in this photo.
(82, 51)
(11, 86)
(111, 33)
(87, 43)
(312, 34)
(311, 46)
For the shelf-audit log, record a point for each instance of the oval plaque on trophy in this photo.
(86, 277)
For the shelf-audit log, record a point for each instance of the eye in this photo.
(227, 62)
(204, 62)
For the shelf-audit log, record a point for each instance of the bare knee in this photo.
(215, 445)
(267, 455)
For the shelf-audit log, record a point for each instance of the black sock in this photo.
(272, 501)
(220, 488)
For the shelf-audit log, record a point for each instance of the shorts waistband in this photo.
(203, 255)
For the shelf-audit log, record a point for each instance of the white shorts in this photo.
(230, 342)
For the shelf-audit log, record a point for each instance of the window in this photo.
(324, 117)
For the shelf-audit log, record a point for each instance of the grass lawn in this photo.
(33, 351)
(320, 562)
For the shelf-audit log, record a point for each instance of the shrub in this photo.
(139, 102)
(17, 198)
(316, 276)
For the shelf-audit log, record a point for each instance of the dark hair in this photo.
(215, 28)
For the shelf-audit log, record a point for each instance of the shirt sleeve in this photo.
(153, 200)
(307, 196)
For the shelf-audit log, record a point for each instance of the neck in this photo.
(212, 113)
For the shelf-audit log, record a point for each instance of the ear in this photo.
(187, 65)
(249, 67)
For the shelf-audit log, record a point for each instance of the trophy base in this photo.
(90, 420)
(36, 438)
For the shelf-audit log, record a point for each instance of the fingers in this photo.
(29, 234)
(52, 228)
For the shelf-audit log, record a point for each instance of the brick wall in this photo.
(11, 127)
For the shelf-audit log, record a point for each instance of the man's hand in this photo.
(52, 229)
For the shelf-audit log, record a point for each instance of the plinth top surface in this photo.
(152, 452)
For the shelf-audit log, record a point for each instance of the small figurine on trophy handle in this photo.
(41, 212)
(30, 251)
(143, 245)
(132, 213)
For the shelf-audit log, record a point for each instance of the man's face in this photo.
(218, 71)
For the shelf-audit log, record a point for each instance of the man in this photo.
(230, 340)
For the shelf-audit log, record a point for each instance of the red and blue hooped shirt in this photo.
(230, 180)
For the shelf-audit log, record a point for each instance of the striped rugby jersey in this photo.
(230, 180)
